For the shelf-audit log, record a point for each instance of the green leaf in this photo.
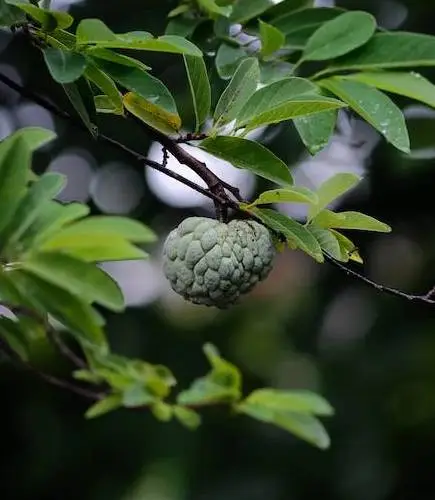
(15, 158)
(49, 19)
(293, 194)
(107, 85)
(141, 83)
(411, 85)
(272, 71)
(12, 333)
(211, 7)
(109, 55)
(347, 248)
(106, 405)
(183, 26)
(244, 10)
(154, 116)
(137, 395)
(271, 38)
(249, 155)
(189, 418)
(49, 221)
(76, 99)
(79, 278)
(228, 59)
(295, 233)
(327, 240)
(67, 308)
(31, 205)
(316, 131)
(285, 7)
(283, 100)
(221, 385)
(350, 220)
(180, 9)
(111, 225)
(162, 411)
(332, 189)
(95, 32)
(199, 88)
(375, 107)
(239, 90)
(340, 36)
(10, 15)
(9, 293)
(391, 50)
(64, 66)
(299, 26)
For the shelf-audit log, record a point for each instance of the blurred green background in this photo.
(307, 326)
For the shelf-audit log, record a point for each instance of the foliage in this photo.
(50, 252)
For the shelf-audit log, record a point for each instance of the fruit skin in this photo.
(212, 263)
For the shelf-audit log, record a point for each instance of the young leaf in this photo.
(239, 90)
(316, 131)
(227, 60)
(347, 248)
(142, 84)
(391, 50)
(349, 220)
(77, 277)
(249, 155)
(199, 87)
(189, 418)
(271, 38)
(64, 66)
(327, 240)
(15, 157)
(67, 308)
(103, 406)
(295, 233)
(340, 36)
(107, 85)
(154, 116)
(411, 85)
(293, 194)
(332, 189)
(32, 204)
(375, 107)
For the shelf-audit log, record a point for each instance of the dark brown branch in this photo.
(427, 298)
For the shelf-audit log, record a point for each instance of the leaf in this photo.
(103, 406)
(10, 14)
(244, 10)
(272, 71)
(78, 278)
(350, 220)
(299, 26)
(64, 66)
(293, 194)
(271, 38)
(154, 116)
(183, 26)
(107, 85)
(141, 83)
(340, 36)
(49, 19)
(211, 7)
(137, 395)
(347, 247)
(109, 55)
(12, 333)
(239, 90)
(31, 205)
(95, 32)
(221, 385)
(375, 107)
(411, 85)
(49, 221)
(162, 411)
(249, 155)
(316, 131)
(73, 94)
(228, 59)
(111, 225)
(391, 50)
(327, 240)
(67, 308)
(332, 189)
(285, 7)
(189, 418)
(9, 293)
(295, 233)
(199, 88)
(15, 158)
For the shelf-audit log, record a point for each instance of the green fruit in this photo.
(212, 263)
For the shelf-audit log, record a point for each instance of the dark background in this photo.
(307, 326)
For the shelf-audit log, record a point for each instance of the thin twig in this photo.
(427, 298)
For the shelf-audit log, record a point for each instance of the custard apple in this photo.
(212, 263)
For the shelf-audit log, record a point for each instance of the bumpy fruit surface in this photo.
(212, 263)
